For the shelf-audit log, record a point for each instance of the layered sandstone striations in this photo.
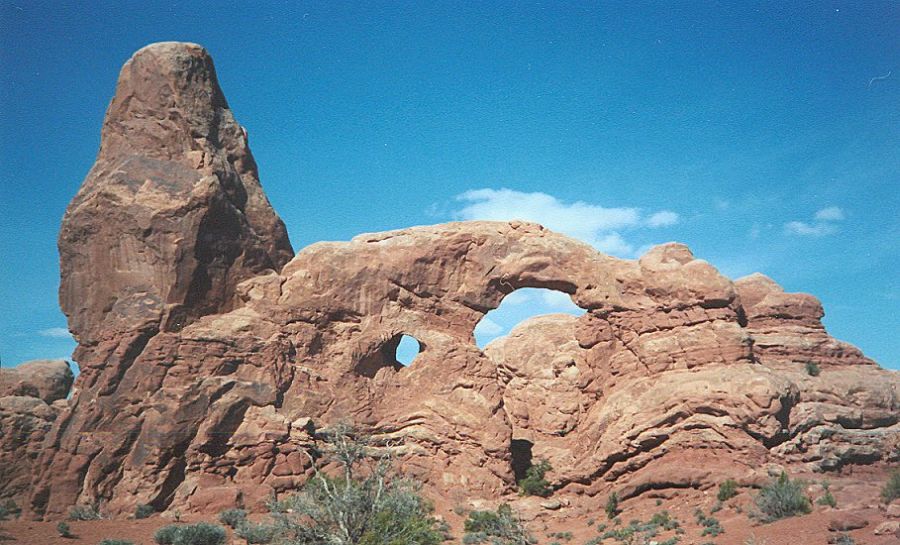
(208, 366)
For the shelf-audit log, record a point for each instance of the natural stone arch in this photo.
(178, 344)
(519, 306)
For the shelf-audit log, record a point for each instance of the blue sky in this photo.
(755, 133)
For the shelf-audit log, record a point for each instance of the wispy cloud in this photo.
(597, 225)
(663, 219)
(832, 213)
(809, 230)
(823, 224)
(55, 333)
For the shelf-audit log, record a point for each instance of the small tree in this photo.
(534, 483)
(366, 504)
(812, 369)
(781, 499)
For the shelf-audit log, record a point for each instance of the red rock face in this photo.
(209, 367)
(32, 395)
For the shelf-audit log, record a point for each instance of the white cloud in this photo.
(663, 219)
(488, 328)
(823, 225)
(806, 230)
(591, 223)
(55, 333)
(832, 213)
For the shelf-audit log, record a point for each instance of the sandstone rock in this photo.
(888, 528)
(24, 423)
(172, 216)
(551, 505)
(843, 521)
(48, 380)
(893, 510)
(209, 370)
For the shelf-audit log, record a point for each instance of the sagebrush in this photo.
(782, 498)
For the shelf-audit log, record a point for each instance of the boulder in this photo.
(47, 380)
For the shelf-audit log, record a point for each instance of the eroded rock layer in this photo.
(208, 367)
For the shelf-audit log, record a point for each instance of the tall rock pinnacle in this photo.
(172, 215)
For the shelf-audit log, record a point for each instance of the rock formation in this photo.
(209, 360)
(47, 380)
(31, 397)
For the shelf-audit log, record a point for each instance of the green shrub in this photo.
(827, 498)
(380, 508)
(612, 506)
(501, 527)
(711, 525)
(812, 369)
(84, 512)
(63, 529)
(232, 517)
(664, 520)
(166, 535)
(116, 542)
(9, 509)
(727, 490)
(202, 533)
(891, 490)
(534, 483)
(256, 534)
(143, 511)
(781, 499)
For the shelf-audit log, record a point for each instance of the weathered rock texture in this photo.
(208, 366)
(31, 397)
(47, 380)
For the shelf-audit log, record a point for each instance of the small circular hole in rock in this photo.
(407, 350)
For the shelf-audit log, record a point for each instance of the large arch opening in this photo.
(519, 306)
